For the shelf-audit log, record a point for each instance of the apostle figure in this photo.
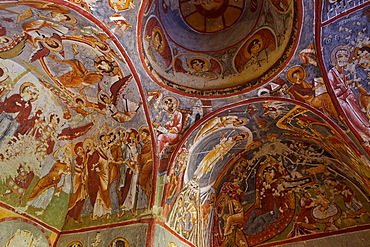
(347, 99)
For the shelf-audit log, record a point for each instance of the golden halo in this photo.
(356, 51)
(206, 64)
(7, 40)
(88, 141)
(70, 19)
(246, 45)
(144, 128)
(103, 48)
(159, 31)
(253, 145)
(119, 239)
(113, 64)
(31, 85)
(222, 196)
(75, 243)
(242, 121)
(57, 48)
(102, 93)
(292, 70)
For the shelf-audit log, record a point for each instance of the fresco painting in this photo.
(183, 123)
(264, 186)
(65, 117)
(253, 56)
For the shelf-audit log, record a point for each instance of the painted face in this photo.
(365, 60)
(51, 42)
(256, 48)
(157, 41)
(104, 98)
(29, 94)
(54, 120)
(3, 40)
(104, 65)
(68, 152)
(144, 136)
(298, 76)
(197, 66)
(342, 58)
(80, 151)
(88, 146)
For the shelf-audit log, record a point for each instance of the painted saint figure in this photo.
(16, 110)
(170, 133)
(347, 99)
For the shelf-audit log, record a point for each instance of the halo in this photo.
(243, 121)
(245, 46)
(28, 84)
(117, 239)
(55, 49)
(8, 41)
(75, 243)
(87, 141)
(77, 145)
(355, 52)
(103, 48)
(101, 93)
(174, 100)
(143, 128)
(253, 145)
(206, 66)
(70, 18)
(222, 196)
(158, 30)
(335, 50)
(111, 63)
(292, 70)
(4, 74)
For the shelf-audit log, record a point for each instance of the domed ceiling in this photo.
(255, 39)
(183, 123)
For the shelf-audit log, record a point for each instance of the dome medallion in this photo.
(209, 16)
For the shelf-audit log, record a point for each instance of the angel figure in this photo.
(217, 153)
(220, 122)
(108, 104)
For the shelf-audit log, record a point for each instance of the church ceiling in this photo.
(225, 123)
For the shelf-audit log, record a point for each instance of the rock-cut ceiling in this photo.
(224, 121)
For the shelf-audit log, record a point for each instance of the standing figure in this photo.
(340, 56)
(130, 188)
(92, 159)
(114, 167)
(79, 188)
(145, 163)
(102, 206)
